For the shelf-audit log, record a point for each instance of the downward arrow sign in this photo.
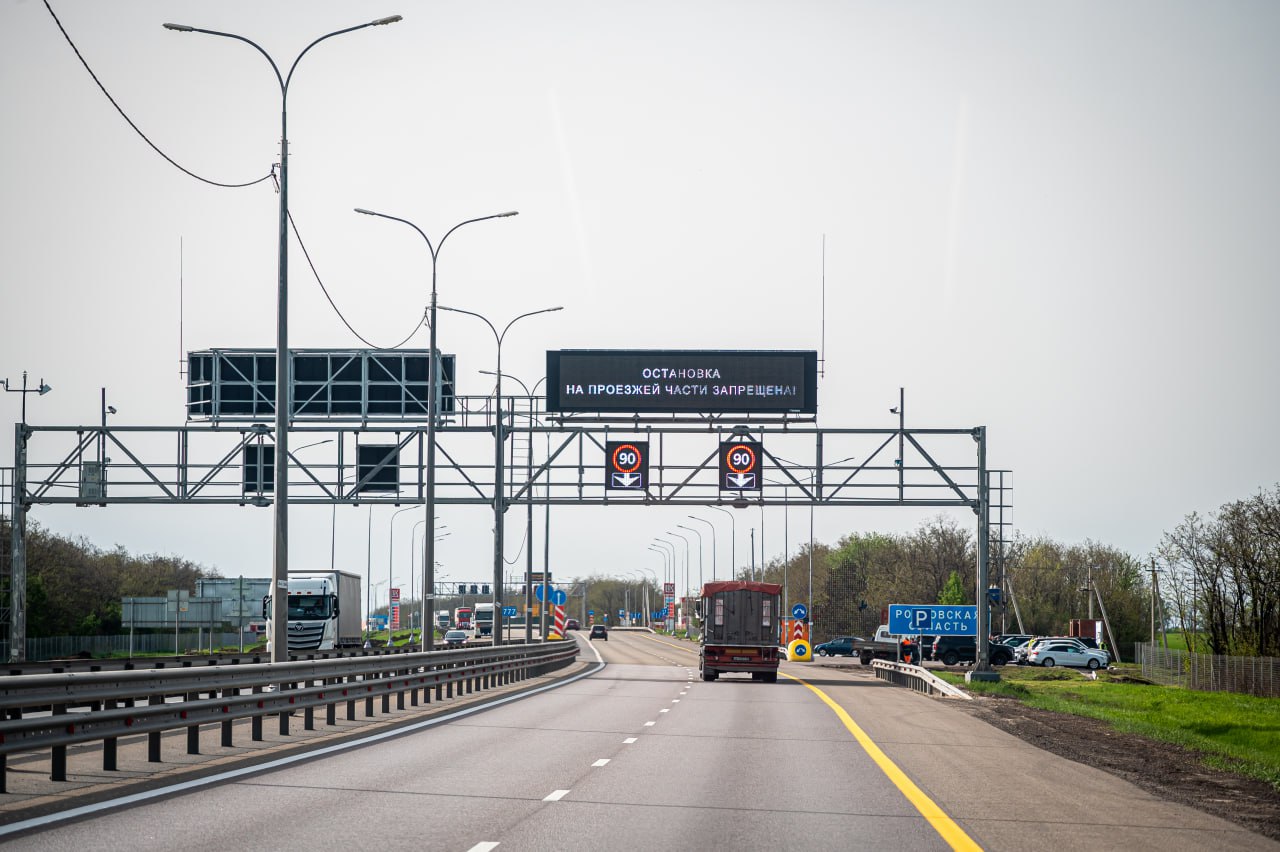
(626, 480)
(742, 480)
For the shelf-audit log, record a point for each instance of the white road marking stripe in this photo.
(483, 847)
(665, 710)
(556, 795)
(675, 700)
(628, 740)
(601, 762)
(232, 774)
(649, 724)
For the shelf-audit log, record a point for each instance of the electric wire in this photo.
(271, 175)
(135, 127)
(334, 305)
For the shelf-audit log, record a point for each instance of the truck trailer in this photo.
(324, 610)
(740, 622)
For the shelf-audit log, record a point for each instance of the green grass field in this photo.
(1239, 733)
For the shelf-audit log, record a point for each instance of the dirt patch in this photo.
(1171, 772)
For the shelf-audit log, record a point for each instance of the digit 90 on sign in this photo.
(626, 458)
(741, 459)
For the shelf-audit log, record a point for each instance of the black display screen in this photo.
(682, 381)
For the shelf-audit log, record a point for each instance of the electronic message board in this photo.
(672, 381)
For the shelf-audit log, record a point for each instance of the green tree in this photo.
(953, 592)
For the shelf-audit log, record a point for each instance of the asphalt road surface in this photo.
(642, 753)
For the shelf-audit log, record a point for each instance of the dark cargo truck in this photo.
(740, 624)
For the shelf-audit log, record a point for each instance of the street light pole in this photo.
(433, 408)
(283, 401)
(391, 552)
(713, 544)
(733, 541)
(499, 501)
(528, 545)
(698, 533)
(665, 568)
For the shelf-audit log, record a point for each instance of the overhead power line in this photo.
(123, 115)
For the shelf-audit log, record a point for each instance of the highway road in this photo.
(641, 752)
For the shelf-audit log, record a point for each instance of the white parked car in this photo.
(1052, 652)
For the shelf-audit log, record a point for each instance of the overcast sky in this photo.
(1057, 220)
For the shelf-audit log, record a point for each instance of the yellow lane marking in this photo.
(946, 827)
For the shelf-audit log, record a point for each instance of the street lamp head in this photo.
(366, 212)
(383, 21)
(181, 28)
(508, 213)
(43, 389)
(111, 409)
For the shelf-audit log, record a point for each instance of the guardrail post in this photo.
(193, 731)
(153, 737)
(285, 712)
(59, 763)
(255, 726)
(109, 744)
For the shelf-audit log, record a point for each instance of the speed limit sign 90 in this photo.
(626, 465)
(740, 465)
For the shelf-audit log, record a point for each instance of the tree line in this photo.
(75, 588)
(1217, 578)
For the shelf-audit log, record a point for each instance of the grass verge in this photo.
(1238, 733)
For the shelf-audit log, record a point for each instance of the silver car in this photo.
(1056, 652)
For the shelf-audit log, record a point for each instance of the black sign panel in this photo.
(626, 465)
(741, 463)
(328, 384)
(259, 468)
(381, 464)
(682, 380)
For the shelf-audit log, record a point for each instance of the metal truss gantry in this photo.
(546, 461)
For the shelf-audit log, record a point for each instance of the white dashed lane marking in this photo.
(556, 795)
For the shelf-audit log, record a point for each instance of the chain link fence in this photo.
(66, 647)
(1210, 672)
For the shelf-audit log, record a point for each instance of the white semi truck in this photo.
(324, 610)
(484, 619)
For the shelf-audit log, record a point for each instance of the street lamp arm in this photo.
(496, 337)
(477, 219)
(379, 22)
(529, 314)
(182, 28)
(425, 238)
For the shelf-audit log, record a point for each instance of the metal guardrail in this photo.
(917, 678)
(103, 706)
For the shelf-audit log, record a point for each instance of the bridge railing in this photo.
(58, 710)
(917, 678)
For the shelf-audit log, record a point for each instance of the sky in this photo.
(1056, 220)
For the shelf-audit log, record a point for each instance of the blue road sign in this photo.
(799, 611)
(933, 619)
(537, 591)
(508, 611)
(558, 597)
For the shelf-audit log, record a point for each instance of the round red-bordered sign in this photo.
(748, 467)
(618, 465)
